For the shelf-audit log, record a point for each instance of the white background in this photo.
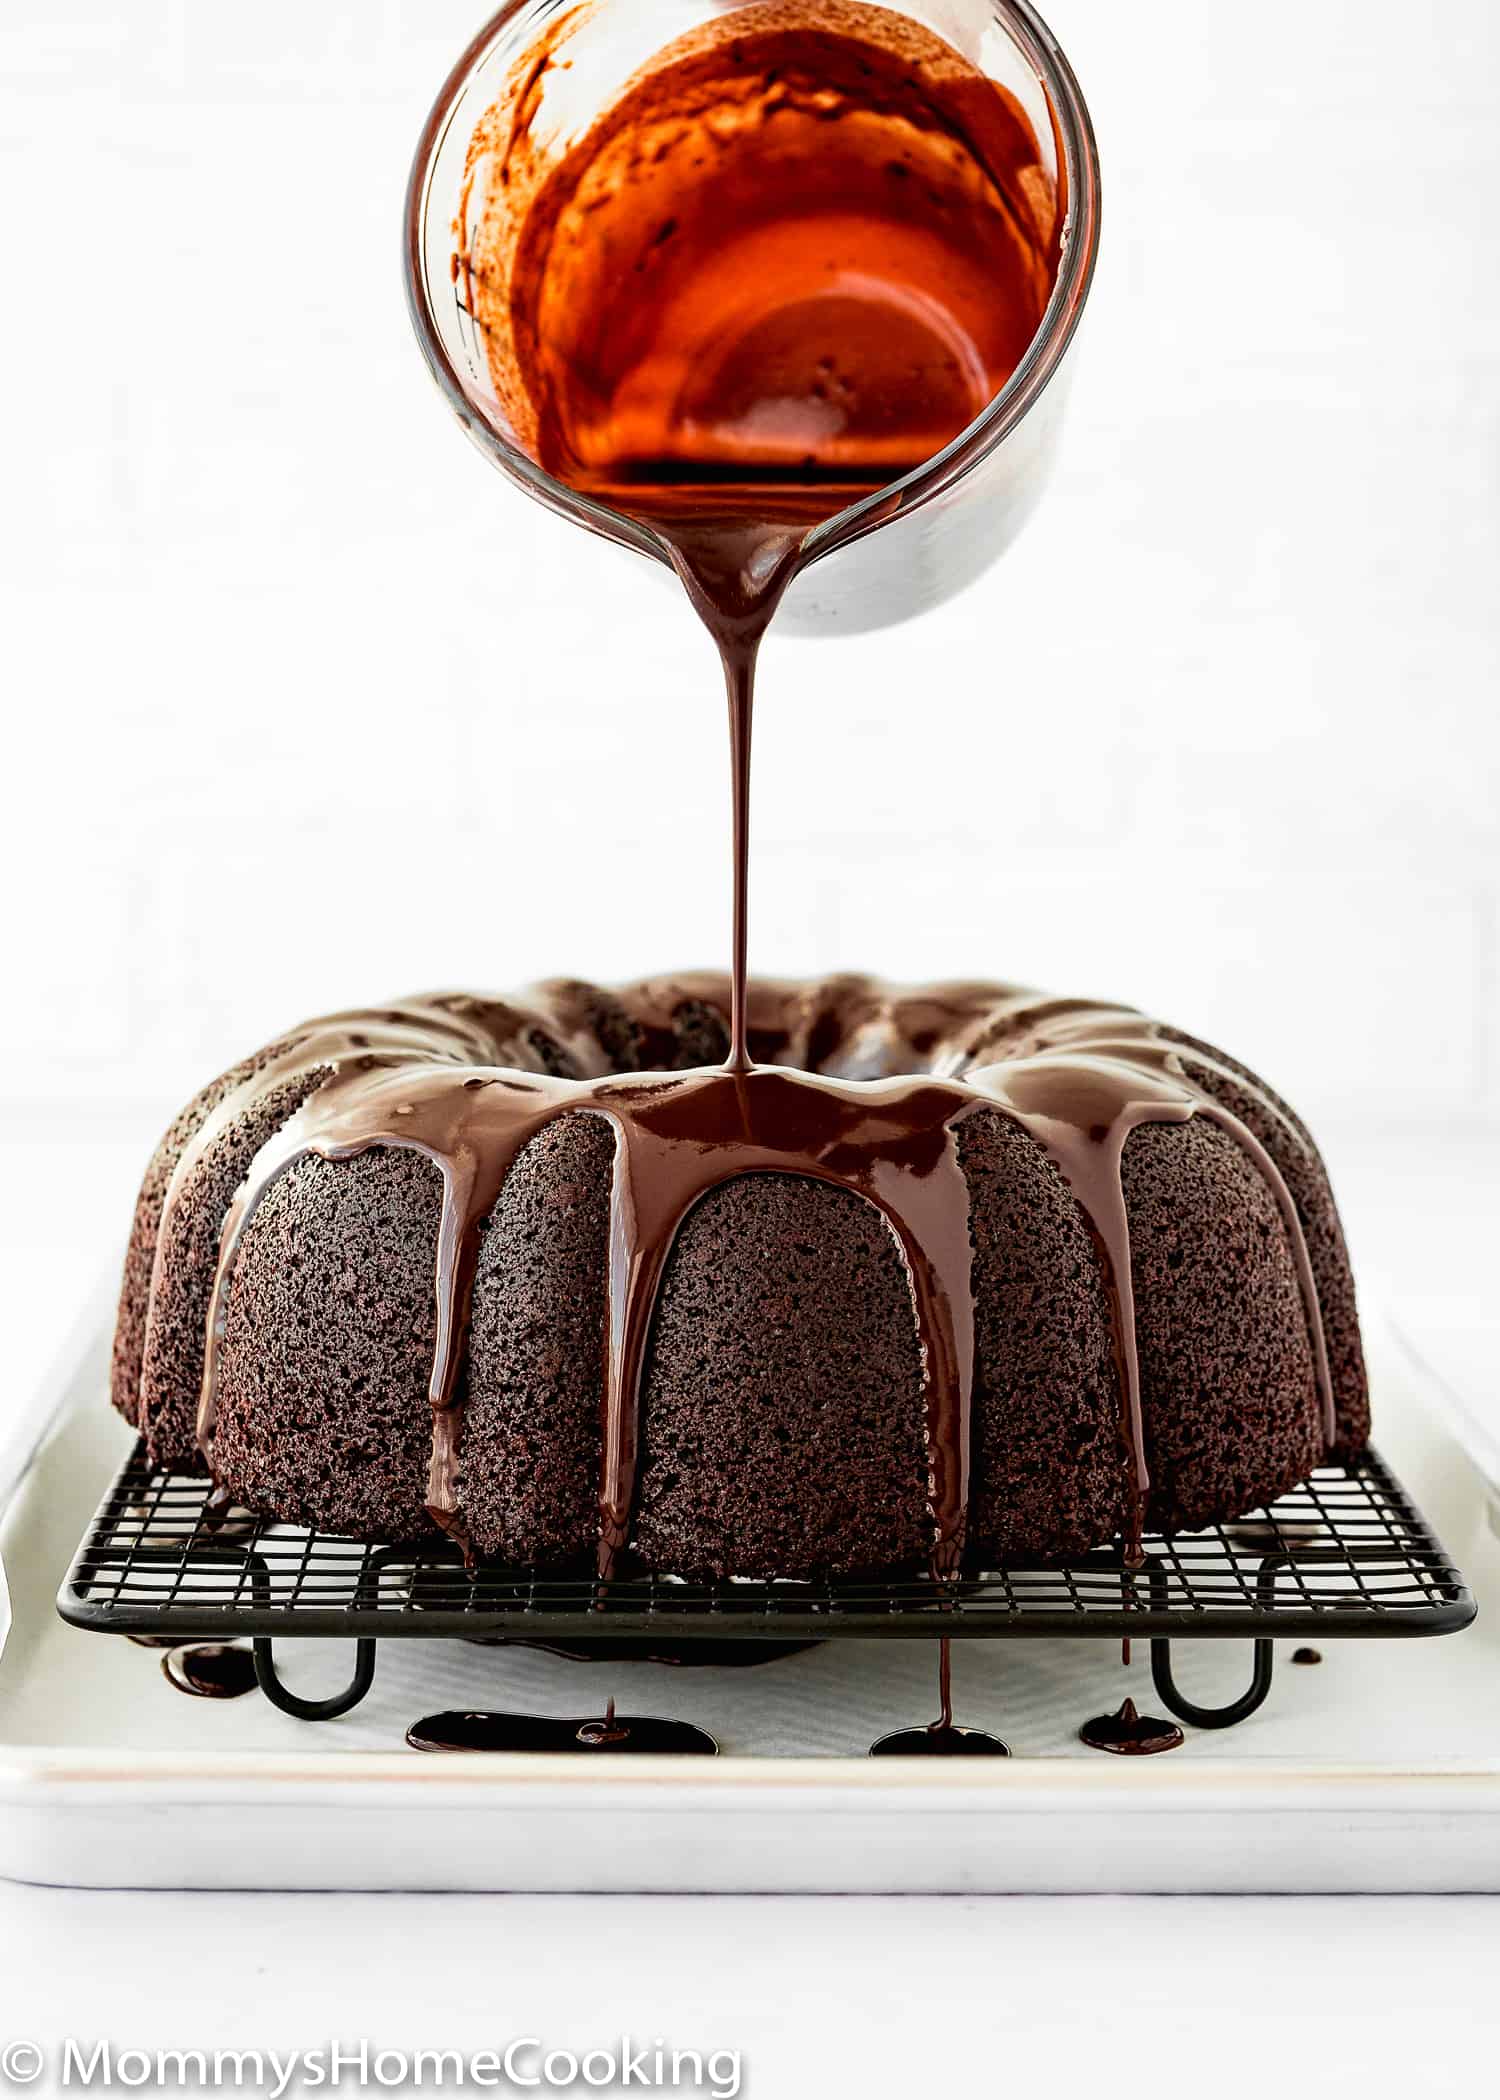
(303, 706)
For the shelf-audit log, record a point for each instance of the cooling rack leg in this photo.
(1211, 1716)
(313, 1709)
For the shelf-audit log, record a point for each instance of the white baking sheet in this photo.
(1379, 1770)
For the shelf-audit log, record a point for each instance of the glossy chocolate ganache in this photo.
(1130, 1733)
(942, 1737)
(851, 1082)
(638, 1735)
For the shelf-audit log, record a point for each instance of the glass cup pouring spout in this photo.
(896, 550)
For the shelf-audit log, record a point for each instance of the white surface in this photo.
(1381, 1770)
(237, 524)
(881, 1998)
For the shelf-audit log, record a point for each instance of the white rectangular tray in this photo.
(1379, 1770)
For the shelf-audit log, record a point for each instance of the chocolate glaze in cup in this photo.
(891, 550)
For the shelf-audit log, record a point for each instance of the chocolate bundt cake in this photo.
(951, 1274)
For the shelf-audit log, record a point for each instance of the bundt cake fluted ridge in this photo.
(951, 1272)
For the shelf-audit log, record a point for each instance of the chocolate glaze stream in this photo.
(945, 1687)
(793, 256)
(940, 1738)
(736, 577)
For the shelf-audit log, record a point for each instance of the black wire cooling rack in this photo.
(1345, 1556)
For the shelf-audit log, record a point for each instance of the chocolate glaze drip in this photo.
(1266, 1536)
(223, 1520)
(210, 1670)
(940, 1738)
(465, 1082)
(1131, 1734)
(629, 1735)
(939, 1742)
(735, 578)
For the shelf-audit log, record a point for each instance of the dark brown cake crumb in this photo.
(140, 1257)
(529, 1455)
(172, 1365)
(783, 1422)
(1233, 1416)
(324, 1413)
(1049, 1452)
